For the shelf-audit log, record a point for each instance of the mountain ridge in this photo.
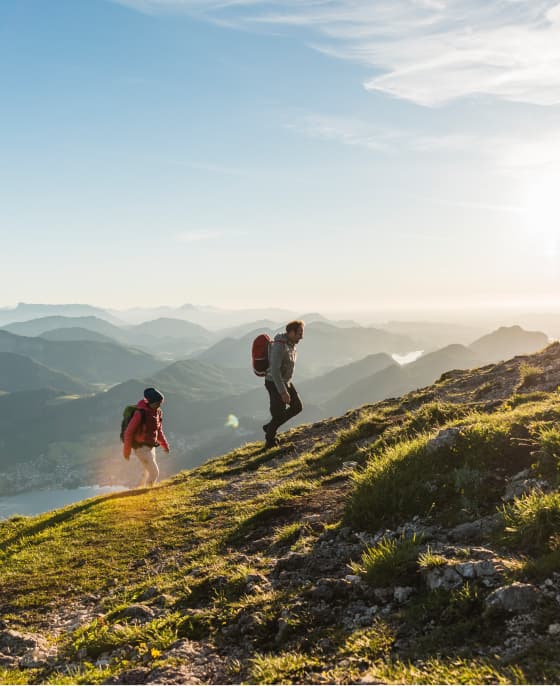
(394, 544)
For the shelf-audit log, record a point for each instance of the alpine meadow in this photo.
(280, 342)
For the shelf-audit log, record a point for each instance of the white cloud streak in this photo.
(426, 51)
(363, 134)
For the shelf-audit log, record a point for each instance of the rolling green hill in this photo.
(20, 373)
(414, 540)
(75, 333)
(91, 361)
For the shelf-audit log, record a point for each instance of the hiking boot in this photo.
(271, 442)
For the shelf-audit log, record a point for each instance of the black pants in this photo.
(278, 409)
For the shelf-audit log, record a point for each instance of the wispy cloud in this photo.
(425, 51)
(517, 154)
(364, 134)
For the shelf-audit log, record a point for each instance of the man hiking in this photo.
(284, 400)
(144, 434)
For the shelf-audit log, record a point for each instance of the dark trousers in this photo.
(279, 411)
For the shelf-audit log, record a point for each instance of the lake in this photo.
(37, 502)
(408, 357)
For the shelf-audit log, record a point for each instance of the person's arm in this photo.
(276, 353)
(130, 432)
(162, 440)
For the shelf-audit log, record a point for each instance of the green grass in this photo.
(199, 536)
(532, 522)
(292, 667)
(449, 671)
(390, 562)
(405, 478)
(528, 373)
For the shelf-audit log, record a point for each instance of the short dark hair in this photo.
(294, 325)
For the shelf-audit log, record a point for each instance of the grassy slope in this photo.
(207, 545)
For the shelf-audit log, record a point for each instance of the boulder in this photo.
(517, 598)
(445, 577)
(446, 438)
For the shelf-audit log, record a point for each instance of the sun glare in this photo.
(542, 212)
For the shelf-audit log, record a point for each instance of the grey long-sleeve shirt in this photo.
(282, 356)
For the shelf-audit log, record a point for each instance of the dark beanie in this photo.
(152, 395)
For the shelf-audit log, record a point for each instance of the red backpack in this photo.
(259, 354)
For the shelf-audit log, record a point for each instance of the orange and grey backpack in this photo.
(259, 354)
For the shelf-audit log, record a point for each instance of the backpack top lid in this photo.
(259, 354)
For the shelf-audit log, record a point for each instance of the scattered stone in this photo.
(402, 593)
(331, 589)
(256, 583)
(473, 532)
(37, 657)
(515, 489)
(445, 439)
(142, 613)
(164, 600)
(27, 650)
(445, 577)
(8, 661)
(130, 676)
(514, 598)
(149, 593)
(290, 562)
(16, 643)
(383, 595)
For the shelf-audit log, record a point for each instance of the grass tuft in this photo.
(390, 561)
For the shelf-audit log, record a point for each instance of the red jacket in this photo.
(145, 428)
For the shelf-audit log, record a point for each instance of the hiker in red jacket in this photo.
(144, 434)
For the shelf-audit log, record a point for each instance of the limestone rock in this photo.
(445, 439)
(445, 577)
(514, 598)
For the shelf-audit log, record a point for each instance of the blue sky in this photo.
(311, 154)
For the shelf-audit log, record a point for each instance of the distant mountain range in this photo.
(164, 337)
(507, 342)
(90, 361)
(395, 380)
(339, 367)
(26, 311)
(323, 348)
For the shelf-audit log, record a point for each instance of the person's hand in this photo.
(126, 457)
(167, 450)
(285, 398)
